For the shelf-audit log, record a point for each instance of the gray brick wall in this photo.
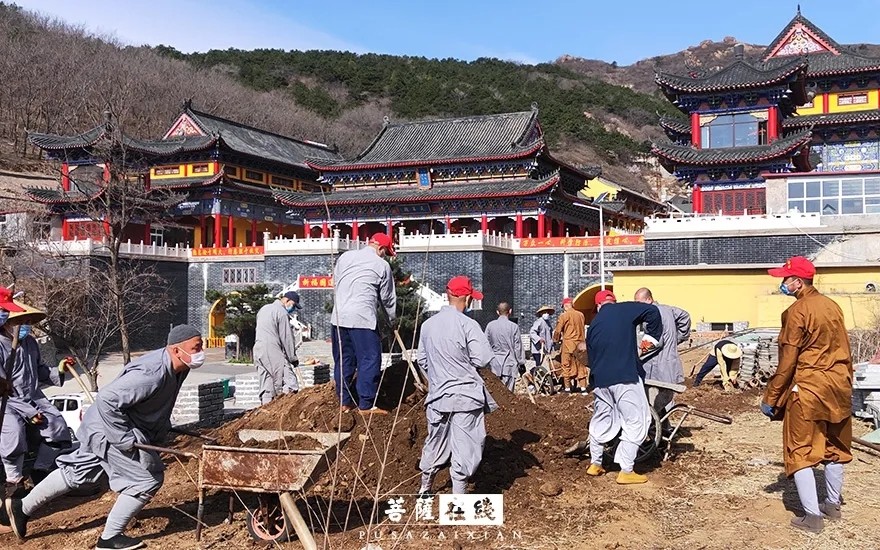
(209, 276)
(202, 404)
(748, 249)
(247, 391)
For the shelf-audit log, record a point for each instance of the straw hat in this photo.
(545, 308)
(731, 351)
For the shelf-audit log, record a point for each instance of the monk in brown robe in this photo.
(812, 391)
(571, 332)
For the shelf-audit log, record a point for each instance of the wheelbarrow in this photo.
(273, 474)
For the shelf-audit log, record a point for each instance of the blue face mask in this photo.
(785, 290)
(4, 316)
(24, 331)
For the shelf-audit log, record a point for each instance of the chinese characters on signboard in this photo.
(228, 251)
(582, 242)
(315, 281)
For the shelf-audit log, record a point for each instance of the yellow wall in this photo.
(833, 107)
(816, 109)
(733, 295)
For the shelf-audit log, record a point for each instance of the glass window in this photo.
(831, 207)
(851, 205)
(814, 189)
(851, 188)
(831, 188)
(58, 404)
(72, 405)
(872, 186)
(797, 206)
(796, 190)
(720, 135)
(812, 206)
(872, 205)
(736, 130)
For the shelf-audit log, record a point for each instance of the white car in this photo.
(72, 407)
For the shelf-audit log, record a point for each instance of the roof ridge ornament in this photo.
(534, 105)
(385, 120)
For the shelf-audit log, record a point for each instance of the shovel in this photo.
(417, 379)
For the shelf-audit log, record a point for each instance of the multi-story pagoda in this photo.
(479, 173)
(765, 135)
(224, 170)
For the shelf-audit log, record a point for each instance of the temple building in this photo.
(487, 173)
(225, 170)
(795, 130)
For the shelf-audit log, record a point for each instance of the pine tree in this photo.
(241, 312)
(410, 309)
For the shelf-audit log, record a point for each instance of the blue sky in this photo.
(623, 31)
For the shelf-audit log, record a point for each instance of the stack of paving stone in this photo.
(313, 373)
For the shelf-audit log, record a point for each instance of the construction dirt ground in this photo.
(723, 486)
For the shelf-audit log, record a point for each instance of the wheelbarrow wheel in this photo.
(266, 522)
(647, 449)
(544, 381)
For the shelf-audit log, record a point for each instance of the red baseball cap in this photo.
(6, 301)
(567, 301)
(460, 285)
(386, 242)
(796, 266)
(605, 296)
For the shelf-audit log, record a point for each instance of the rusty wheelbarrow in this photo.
(273, 474)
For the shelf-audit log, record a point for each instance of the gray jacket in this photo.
(503, 336)
(275, 345)
(451, 349)
(362, 281)
(135, 407)
(541, 329)
(666, 365)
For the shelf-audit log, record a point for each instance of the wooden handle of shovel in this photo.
(417, 379)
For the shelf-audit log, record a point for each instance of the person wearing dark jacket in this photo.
(616, 372)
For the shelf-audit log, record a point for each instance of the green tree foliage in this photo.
(416, 87)
(410, 308)
(241, 312)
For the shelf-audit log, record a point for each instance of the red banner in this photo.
(315, 281)
(229, 251)
(582, 242)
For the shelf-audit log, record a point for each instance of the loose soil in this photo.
(722, 488)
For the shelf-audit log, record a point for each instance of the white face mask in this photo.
(545, 316)
(197, 359)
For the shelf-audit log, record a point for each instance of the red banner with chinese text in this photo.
(315, 281)
(582, 242)
(229, 251)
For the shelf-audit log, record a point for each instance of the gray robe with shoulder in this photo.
(503, 335)
(275, 352)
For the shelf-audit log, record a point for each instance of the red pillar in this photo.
(307, 229)
(519, 226)
(824, 103)
(484, 224)
(697, 200)
(772, 123)
(325, 229)
(390, 228)
(230, 232)
(253, 232)
(203, 229)
(448, 225)
(695, 130)
(147, 239)
(65, 230)
(280, 229)
(65, 177)
(354, 230)
(218, 231)
(541, 232)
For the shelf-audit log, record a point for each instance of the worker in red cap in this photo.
(620, 407)
(812, 391)
(570, 332)
(362, 282)
(451, 349)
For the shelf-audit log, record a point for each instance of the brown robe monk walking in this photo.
(570, 330)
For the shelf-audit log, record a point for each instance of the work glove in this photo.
(66, 363)
(5, 388)
(768, 411)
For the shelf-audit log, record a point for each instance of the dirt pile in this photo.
(521, 436)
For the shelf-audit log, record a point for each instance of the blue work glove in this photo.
(768, 411)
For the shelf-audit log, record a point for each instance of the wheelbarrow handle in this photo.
(166, 450)
(193, 434)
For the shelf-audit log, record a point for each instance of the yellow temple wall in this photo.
(749, 294)
(833, 107)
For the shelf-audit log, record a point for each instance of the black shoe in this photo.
(119, 542)
(17, 519)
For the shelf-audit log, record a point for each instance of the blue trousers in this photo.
(356, 350)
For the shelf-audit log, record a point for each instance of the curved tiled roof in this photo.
(830, 119)
(738, 75)
(676, 125)
(411, 193)
(56, 195)
(90, 138)
(263, 144)
(682, 154)
(55, 142)
(473, 138)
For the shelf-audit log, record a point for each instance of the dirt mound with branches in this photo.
(381, 457)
